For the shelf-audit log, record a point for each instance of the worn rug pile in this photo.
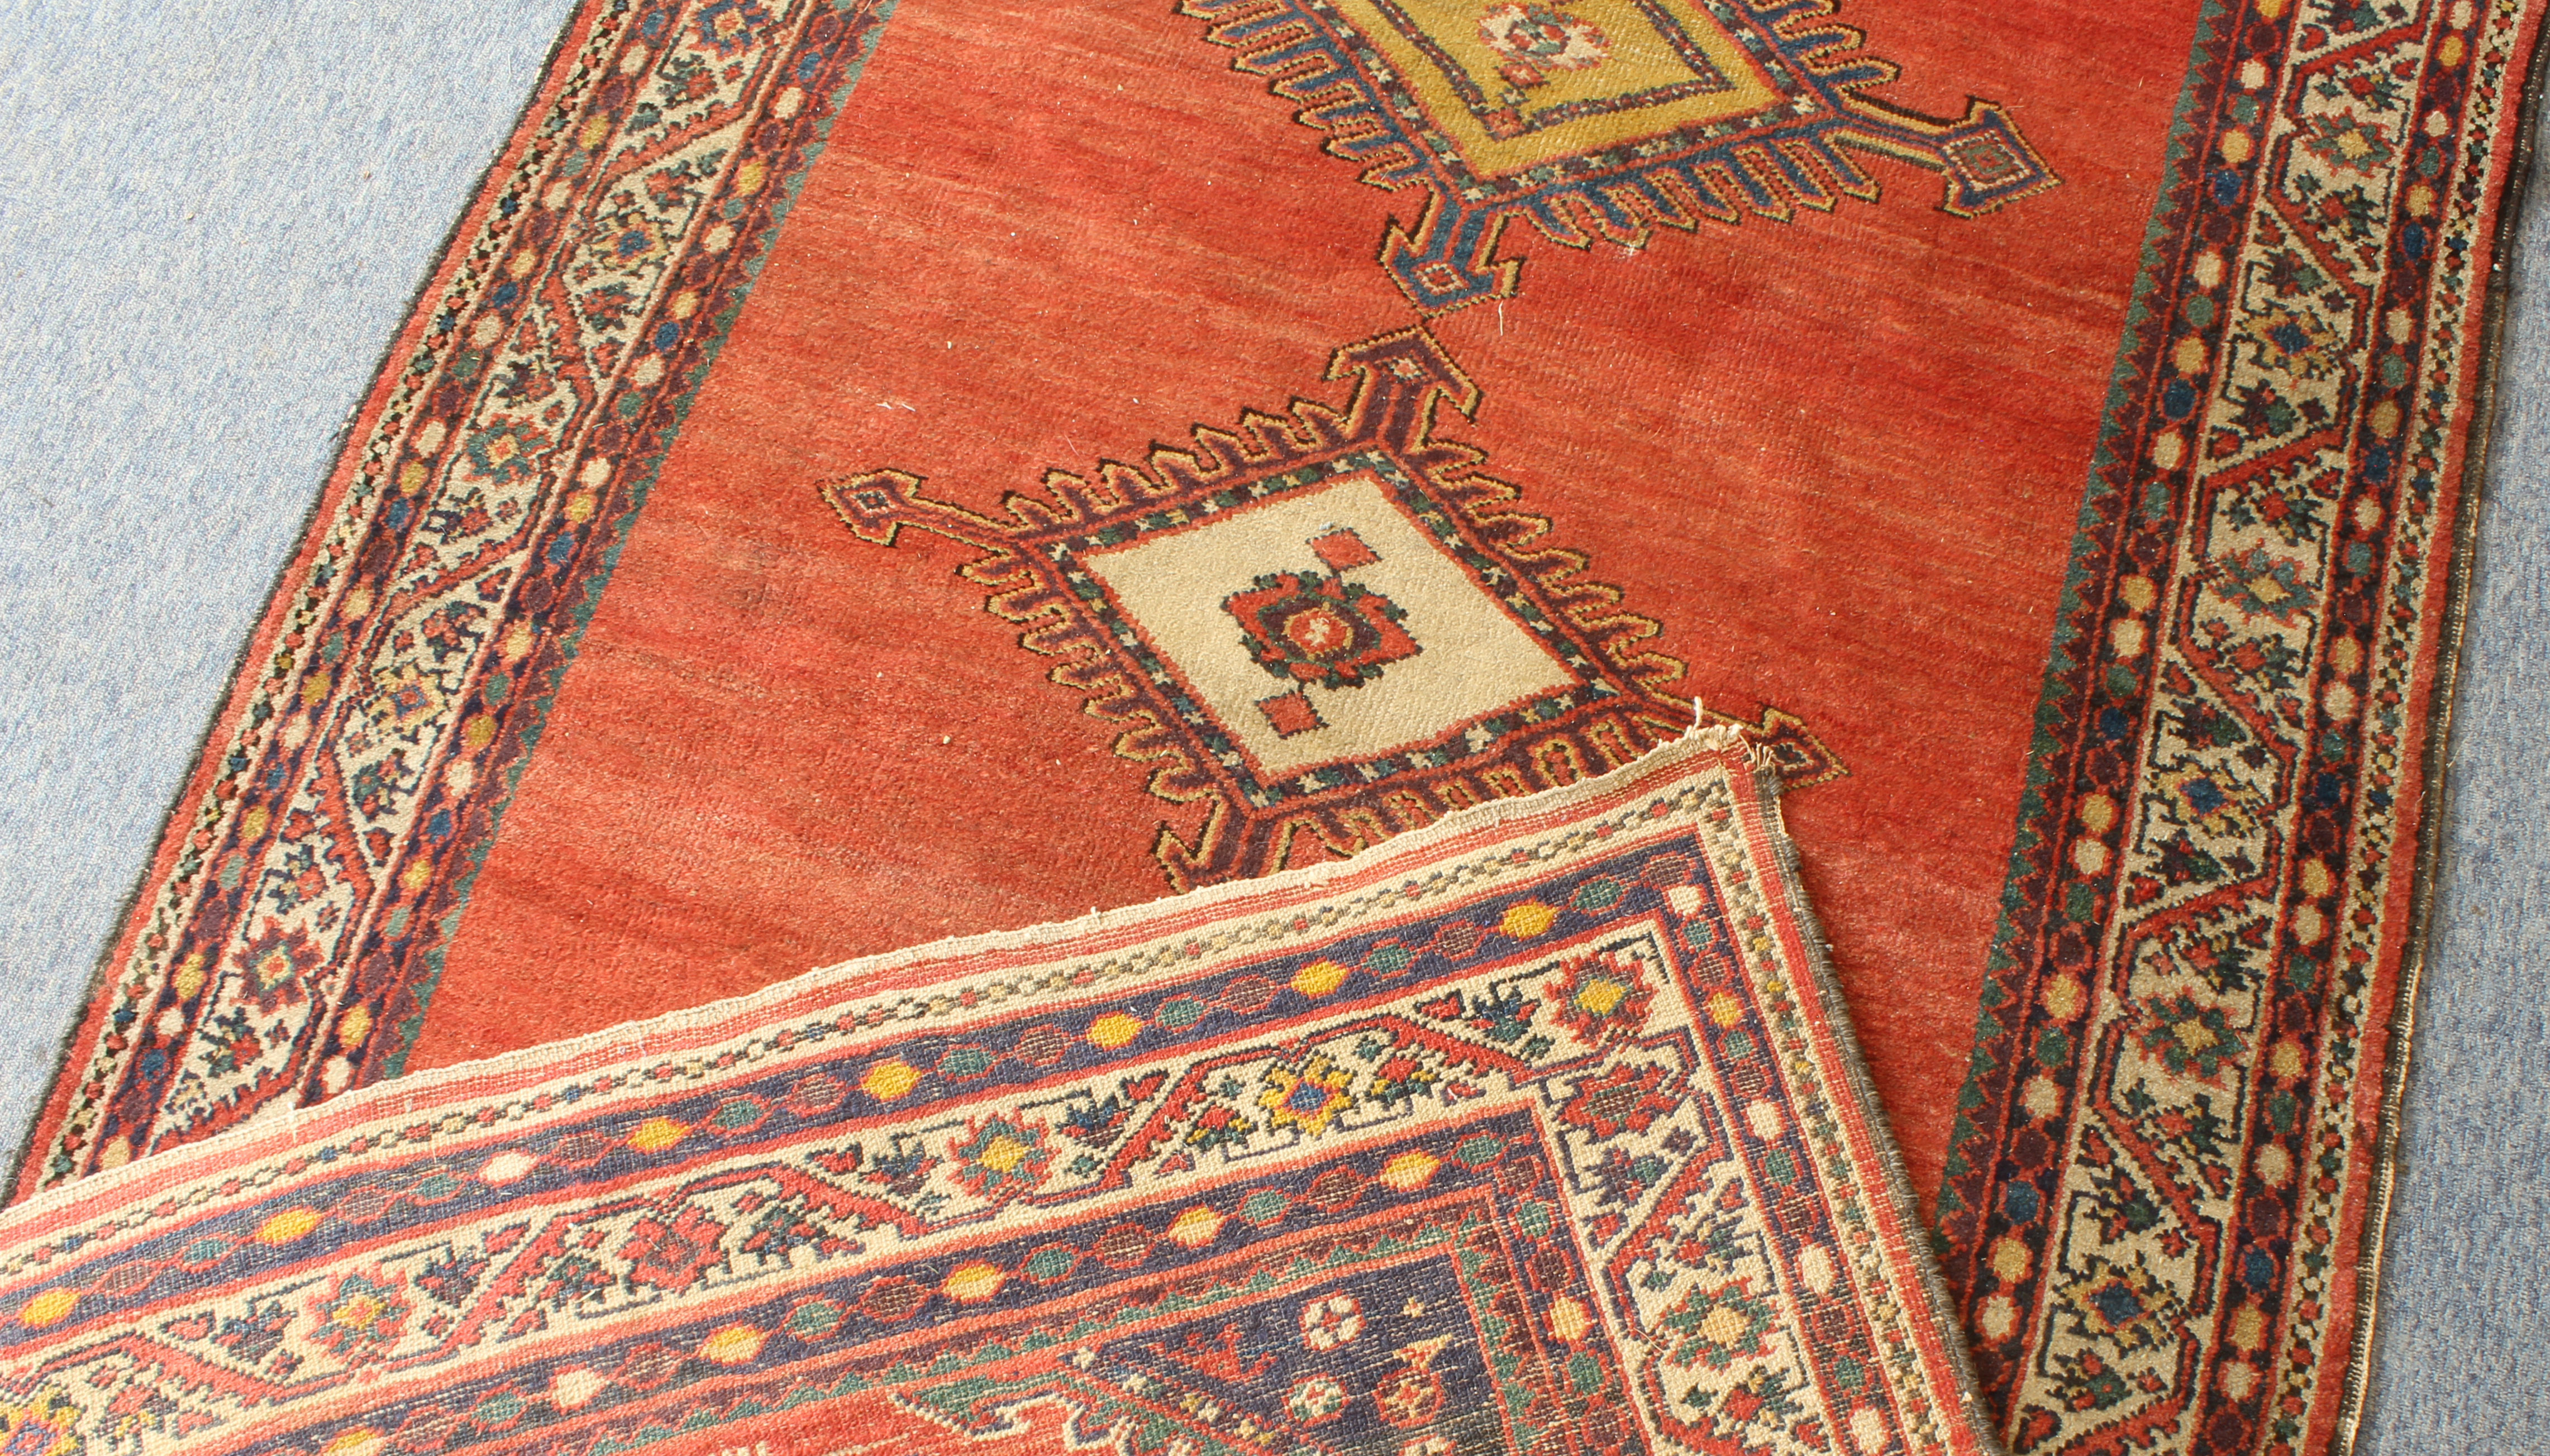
(867, 471)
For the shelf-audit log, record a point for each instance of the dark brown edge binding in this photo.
(2435, 763)
(1940, 1310)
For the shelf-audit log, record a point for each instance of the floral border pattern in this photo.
(2160, 1175)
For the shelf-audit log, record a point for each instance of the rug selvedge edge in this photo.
(221, 729)
(2478, 446)
(2472, 168)
(1813, 950)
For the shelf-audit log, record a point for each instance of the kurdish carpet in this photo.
(1538, 1131)
(1673, 349)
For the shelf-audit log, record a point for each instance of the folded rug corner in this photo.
(1536, 1130)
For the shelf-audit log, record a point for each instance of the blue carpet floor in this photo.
(2463, 1342)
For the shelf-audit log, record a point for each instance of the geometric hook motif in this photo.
(1325, 623)
(1599, 119)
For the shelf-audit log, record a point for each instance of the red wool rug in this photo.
(1538, 1131)
(859, 479)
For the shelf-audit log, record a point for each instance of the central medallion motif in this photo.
(1429, 647)
(1363, 691)
(1598, 118)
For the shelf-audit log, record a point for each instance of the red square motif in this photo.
(1289, 713)
(1343, 550)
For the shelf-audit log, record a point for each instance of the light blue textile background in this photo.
(212, 218)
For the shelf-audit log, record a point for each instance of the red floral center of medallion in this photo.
(1319, 632)
(1307, 626)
